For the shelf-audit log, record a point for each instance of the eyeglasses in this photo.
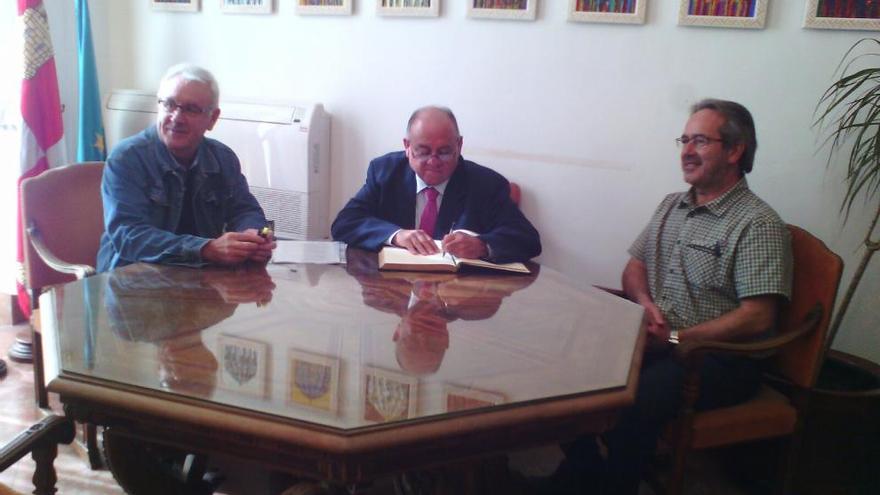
(190, 109)
(699, 140)
(424, 154)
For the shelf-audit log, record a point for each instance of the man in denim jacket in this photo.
(172, 196)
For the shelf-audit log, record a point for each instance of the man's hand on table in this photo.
(416, 242)
(462, 245)
(233, 248)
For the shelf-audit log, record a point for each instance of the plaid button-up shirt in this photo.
(702, 260)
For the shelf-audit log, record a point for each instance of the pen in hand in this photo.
(443, 244)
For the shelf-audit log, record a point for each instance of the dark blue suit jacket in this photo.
(476, 199)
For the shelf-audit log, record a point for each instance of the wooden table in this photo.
(343, 373)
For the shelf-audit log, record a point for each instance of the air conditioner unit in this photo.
(284, 151)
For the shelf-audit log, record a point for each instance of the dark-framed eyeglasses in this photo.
(424, 154)
(699, 140)
(191, 109)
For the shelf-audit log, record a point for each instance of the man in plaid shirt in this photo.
(714, 263)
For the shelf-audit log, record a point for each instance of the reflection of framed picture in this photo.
(457, 398)
(621, 11)
(387, 395)
(313, 380)
(176, 5)
(723, 13)
(522, 10)
(324, 7)
(415, 8)
(246, 6)
(843, 14)
(243, 364)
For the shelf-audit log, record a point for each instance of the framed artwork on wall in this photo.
(313, 381)
(243, 365)
(387, 395)
(408, 8)
(176, 5)
(616, 11)
(457, 398)
(246, 6)
(323, 7)
(521, 10)
(843, 14)
(723, 13)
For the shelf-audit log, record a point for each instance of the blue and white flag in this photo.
(90, 137)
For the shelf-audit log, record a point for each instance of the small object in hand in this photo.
(265, 232)
(673, 337)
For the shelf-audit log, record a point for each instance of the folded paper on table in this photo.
(394, 258)
(319, 252)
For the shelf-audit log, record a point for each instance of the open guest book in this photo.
(395, 258)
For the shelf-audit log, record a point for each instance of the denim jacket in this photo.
(143, 188)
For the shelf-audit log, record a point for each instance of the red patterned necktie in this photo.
(429, 214)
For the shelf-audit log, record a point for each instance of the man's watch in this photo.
(673, 337)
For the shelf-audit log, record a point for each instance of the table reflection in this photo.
(340, 346)
(427, 302)
(146, 303)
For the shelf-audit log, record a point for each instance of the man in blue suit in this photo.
(468, 205)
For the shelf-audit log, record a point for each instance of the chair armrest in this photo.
(690, 348)
(52, 430)
(57, 264)
(616, 292)
(691, 354)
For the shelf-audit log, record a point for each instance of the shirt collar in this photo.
(420, 185)
(719, 205)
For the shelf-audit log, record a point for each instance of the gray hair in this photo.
(192, 72)
(415, 115)
(738, 128)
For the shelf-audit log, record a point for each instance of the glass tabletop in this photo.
(343, 346)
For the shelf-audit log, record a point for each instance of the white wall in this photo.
(583, 116)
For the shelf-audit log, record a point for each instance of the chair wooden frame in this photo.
(799, 352)
(62, 216)
(41, 440)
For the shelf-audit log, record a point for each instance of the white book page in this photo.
(318, 252)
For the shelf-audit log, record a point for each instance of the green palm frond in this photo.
(849, 112)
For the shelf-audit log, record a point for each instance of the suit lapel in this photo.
(407, 204)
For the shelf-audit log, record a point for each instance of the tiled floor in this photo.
(708, 474)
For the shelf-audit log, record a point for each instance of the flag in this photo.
(90, 136)
(42, 131)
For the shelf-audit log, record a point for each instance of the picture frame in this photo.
(416, 8)
(818, 15)
(313, 381)
(175, 5)
(246, 6)
(456, 398)
(519, 10)
(387, 395)
(625, 12)
(243, 365)
(324, 7)
(746, 14)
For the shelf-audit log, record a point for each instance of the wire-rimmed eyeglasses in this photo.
(699, 140)
(191, 109)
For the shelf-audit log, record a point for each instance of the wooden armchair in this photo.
(41, 440)
(798, 357)
(63, 218)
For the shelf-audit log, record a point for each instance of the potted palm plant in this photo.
(842, 437)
